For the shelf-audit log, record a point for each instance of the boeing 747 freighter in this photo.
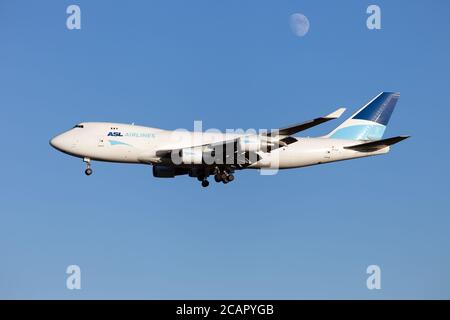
(204, 154)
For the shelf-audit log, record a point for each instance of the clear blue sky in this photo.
(304, 233)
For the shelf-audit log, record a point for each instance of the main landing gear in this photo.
(224, 176)
(204, 180)
(88, 170)
(205, 183)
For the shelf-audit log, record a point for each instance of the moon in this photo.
(299, 24)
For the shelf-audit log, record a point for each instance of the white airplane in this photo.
(201, 154)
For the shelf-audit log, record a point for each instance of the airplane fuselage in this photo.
(125, 143)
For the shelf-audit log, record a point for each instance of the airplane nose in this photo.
(56, 142)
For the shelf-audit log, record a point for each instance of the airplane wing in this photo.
(227, 151)
(275, 139)
(290, 130)
(376, 145)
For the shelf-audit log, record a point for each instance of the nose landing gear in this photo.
(88, 170)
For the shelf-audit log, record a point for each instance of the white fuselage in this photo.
(125, 143)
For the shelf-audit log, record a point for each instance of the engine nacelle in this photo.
(192, 155)
(163, 171)
(254, 143)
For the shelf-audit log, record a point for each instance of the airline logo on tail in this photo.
(369, 122)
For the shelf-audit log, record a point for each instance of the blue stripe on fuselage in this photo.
(115, 143)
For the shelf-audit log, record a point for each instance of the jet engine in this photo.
(163, 172)
(254, 143)
(192, 155)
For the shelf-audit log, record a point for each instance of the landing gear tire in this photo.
(205, 183)
(88, 170)
(230, 178)
(217, 178)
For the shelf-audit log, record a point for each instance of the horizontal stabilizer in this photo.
(376, 145)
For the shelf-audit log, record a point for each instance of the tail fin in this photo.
(369, 122)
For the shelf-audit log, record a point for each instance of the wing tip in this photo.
(336, 114)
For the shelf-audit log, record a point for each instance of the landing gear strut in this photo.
(88, 170)
(204, 180)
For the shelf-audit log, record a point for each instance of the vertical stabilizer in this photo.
(369, 122)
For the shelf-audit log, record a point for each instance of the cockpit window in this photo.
(79, 126)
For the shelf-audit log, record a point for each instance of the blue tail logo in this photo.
(369, 122)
